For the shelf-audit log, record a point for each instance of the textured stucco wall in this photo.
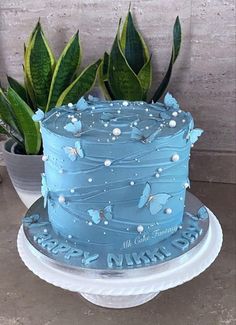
(204, 76)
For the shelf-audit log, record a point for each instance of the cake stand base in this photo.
(119, 301)
(125, 288)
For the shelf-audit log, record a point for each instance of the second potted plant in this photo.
(47, 83)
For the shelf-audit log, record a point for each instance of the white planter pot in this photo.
(24, 171)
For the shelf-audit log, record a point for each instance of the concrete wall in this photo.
(204, 76)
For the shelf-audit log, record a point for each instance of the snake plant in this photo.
(126, 73)
(47, 83)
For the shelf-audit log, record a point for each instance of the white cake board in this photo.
(125, 288)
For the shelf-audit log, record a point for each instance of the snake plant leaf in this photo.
(7, 129)
(41, 65)
(174, 54)
(145, 77)
(123, 81)
(30, 129)
(19, 89)
(133, 45)
(65, 70)
(103, 77)
(29, 91)
(6, 112)
(81, 85)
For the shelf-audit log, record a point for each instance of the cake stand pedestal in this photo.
(125, 288)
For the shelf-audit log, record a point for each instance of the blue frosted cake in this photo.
(116, 175)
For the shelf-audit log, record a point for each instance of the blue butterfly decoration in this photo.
(44, 190)
(74, 152)
(74, 127)
(170, 101)
(165, 116)
(202, 213)
(107, 116)
(99, 215)
(93, 98)
(154, 201)
(193, 135)
(33, 221)
(38, 116)
(136, 134)
(82, 105)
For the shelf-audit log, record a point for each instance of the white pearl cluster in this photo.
(44, 158)
(61, 199)
(175, 157)
(116, 132)
(172, 124)
(140, 228)
(107, 162)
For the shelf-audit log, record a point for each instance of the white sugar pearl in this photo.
(44, 158)
(106, 125)
(160, 170)
(113, 138)
(61, 171)
(186, 185)
(175, 157)
(157, 175)
(135, 123)
(70, 105)
(175, 114)
(131, 183)
(140, 229)
(69, 236)
(90, 180)
(146, 109)
(61, 199)
(118, 111)
(45, 231)
(90, 223)
(74, 119)
(105, 222)
(72, 190)
(168, 211)
(116, 131)
(147, 127)
(183, 120)
(172, 124)
(125, 103)
(180, 227)
(107, 162)
(181, 199)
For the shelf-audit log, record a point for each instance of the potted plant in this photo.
(126, 73)
(47, 83)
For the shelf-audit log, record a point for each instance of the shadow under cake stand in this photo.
(127, 287)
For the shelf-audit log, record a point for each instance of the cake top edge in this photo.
(106, 120)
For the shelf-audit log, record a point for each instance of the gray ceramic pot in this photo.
(24, 171)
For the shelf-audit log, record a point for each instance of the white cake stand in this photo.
(125, 288)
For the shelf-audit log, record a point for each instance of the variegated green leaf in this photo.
(145, 77)
(123, 81)
(80, 86)
(30, 129)
(133, 45)
(6, 112)
(19, 89)
(64, 70)
(174, 54)
(41, 65)
(103, 77)
(29, 90)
